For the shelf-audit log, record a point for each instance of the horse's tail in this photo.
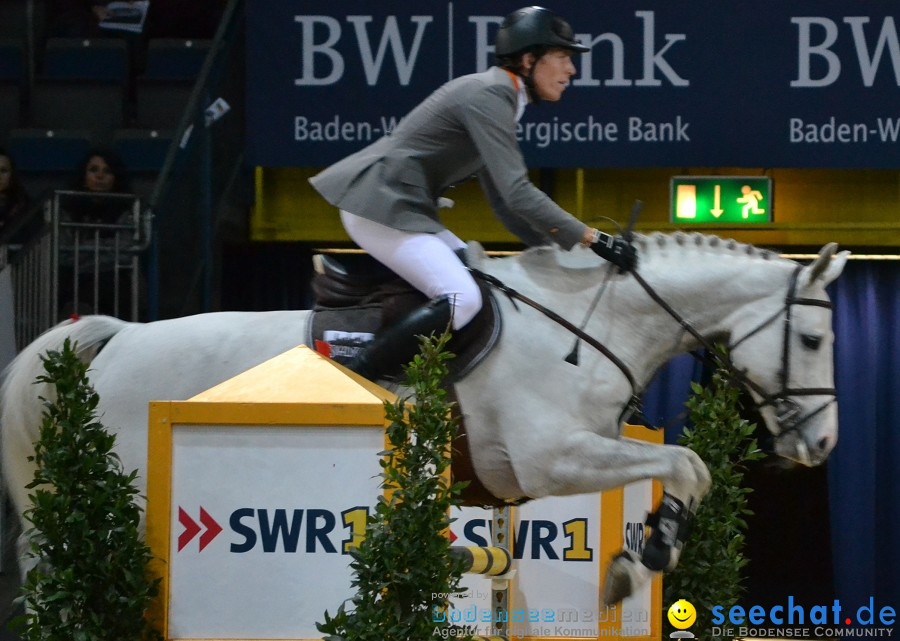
(20, 405)
(19, 401)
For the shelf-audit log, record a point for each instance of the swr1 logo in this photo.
(541, 534)
(634, 536)
(311, 530)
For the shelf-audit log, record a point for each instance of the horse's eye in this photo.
(811, 341)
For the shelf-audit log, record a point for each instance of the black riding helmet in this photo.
(535, 27)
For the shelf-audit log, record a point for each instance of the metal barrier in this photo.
(68, 267)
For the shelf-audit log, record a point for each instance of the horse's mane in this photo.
(709, 243)
(658, 244)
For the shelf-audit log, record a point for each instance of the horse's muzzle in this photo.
(792, 446)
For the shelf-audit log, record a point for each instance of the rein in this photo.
(514, 296)
(786, 409)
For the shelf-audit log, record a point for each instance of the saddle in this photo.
(357, 297)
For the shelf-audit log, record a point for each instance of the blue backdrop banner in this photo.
(805, 83)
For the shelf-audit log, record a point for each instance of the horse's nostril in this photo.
(823, 443)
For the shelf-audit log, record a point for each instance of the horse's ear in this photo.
(827, 266)
(475, 254)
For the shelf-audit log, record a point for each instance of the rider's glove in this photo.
(616, 250)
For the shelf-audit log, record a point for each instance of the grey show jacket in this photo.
(466, 127)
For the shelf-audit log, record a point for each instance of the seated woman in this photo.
(99, 194)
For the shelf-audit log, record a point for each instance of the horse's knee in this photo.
(701, 473)
(688, 481)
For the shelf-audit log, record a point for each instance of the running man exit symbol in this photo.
(752, 198)
(721, 199)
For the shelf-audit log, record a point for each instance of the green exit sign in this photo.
(721, 199)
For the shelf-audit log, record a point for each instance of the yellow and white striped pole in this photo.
(477, 559)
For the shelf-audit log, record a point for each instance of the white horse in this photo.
(537, 424)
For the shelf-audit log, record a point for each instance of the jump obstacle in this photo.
(258, 488)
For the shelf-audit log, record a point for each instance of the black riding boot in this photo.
(399, 343)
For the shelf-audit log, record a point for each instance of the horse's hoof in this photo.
(618, 584)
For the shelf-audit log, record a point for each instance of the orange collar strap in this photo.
(514, 77)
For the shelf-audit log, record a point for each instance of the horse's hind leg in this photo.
(588, 462)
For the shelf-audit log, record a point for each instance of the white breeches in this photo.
(425, 261)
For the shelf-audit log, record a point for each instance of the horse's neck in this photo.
(708, 290)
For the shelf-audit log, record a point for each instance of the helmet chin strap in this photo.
(528, 81)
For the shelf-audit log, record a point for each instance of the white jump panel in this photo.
(281, 496)
(561, 547)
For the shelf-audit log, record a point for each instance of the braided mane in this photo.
(648, 244)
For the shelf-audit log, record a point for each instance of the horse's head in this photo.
(785, 349)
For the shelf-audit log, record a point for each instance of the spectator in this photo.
(13, 197)
(101, 171)
(101, 283)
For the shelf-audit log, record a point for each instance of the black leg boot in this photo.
(399, 344)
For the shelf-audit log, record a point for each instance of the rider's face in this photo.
(98, 176)
(551, 73)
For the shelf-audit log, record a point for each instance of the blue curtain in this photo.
(665, 396)
(864, 469)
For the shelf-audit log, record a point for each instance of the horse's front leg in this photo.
(587, 462)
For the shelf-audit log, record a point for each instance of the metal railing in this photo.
(76, 267)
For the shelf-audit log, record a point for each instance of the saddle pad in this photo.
(341, 333)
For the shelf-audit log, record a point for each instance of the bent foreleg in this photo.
(590, 463)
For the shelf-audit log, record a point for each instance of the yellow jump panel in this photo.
(263, 480)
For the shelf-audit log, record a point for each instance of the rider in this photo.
(388, 193)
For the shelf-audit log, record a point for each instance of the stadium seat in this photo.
(63, 104)
(142, 150)
(164, 88)
(13, 67)
(13, 78)
(175, 59)
(99, 59)
(43, 150)
(82, 85)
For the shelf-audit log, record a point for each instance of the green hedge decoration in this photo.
(91, 581)
(709, 572)
(403, 570)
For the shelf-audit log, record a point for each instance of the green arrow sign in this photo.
(721, 199)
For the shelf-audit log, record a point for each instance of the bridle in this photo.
(787, 410)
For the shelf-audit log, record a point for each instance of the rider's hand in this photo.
(616, 250)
